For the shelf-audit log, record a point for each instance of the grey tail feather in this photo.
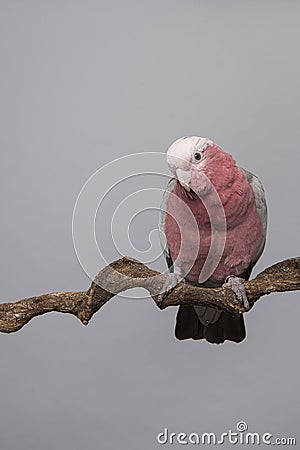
(226, 327)
(222, 325)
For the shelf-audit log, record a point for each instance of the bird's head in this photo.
(197, 163)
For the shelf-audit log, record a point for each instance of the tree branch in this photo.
(127, 273)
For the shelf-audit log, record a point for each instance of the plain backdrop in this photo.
(83, 83)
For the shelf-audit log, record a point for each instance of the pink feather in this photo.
(244, 227)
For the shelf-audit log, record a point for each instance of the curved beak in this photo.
(184, 178)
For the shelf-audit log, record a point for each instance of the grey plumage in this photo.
(261, 208)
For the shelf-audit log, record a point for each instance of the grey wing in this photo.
(261, 207)
(162, 220)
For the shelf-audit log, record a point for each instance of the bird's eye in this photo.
(197, 156)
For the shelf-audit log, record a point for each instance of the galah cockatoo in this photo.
(209, 193)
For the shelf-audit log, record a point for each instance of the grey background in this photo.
(83, 83)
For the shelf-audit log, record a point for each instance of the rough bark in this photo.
(281, 277)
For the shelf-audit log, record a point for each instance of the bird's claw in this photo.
(237, 285)
(172, 279)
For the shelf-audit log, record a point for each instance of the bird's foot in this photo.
(238, 288)
(170, 282)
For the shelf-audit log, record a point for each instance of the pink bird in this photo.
(214, 218)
